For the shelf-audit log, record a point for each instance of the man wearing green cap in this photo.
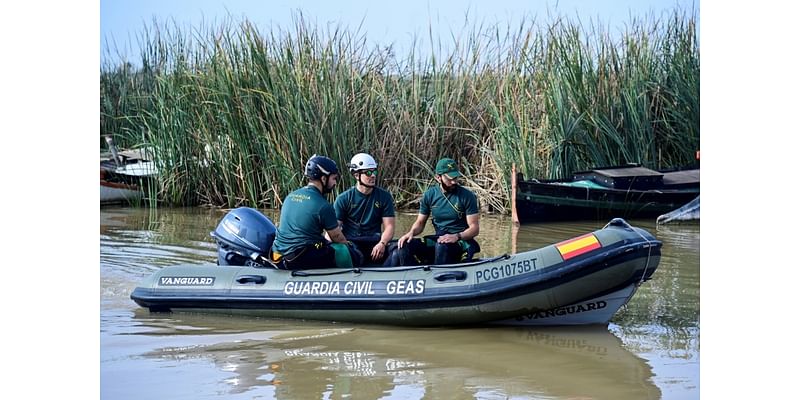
(455, 218)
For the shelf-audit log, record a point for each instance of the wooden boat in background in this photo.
(629, 191)
(124, 175)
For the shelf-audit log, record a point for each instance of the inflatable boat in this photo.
(583, 280)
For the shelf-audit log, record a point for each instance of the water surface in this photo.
(650, 350)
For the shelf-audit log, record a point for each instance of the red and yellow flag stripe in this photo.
(577, 246)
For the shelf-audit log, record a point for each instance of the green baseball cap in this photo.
(448, 166)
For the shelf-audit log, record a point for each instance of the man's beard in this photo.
(325, 188)
(449, 189)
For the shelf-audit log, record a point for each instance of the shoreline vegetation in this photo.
(233, 112)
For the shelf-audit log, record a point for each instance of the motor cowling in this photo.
(243, 236)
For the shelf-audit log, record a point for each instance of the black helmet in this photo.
(319, 166)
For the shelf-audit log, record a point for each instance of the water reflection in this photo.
(311, 360)
(682, 236)
(670, 301)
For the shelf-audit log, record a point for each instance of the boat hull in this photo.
(545, 202)
(598, 310)
(604, 193)
(116, 192)
(505, 289)
(125, 180)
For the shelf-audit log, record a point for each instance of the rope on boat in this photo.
(305, 273)
(621, 222)
(647, 263)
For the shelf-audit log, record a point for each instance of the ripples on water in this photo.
(650, 350)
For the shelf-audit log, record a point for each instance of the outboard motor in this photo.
(244, 238)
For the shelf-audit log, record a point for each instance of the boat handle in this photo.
(451, 276)
(257, 279)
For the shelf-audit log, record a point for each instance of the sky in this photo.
(51, 58)
(382, 22)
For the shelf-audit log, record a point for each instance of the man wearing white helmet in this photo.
(362, 209)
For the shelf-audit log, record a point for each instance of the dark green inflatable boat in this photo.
(584, 280)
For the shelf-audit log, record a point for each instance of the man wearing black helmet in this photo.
(305, 214)
(362, 210)
(454, 210)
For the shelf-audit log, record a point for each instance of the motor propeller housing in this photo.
(243, 235)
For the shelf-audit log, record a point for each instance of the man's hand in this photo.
(448, 238)
(403, 239)
(378, 250)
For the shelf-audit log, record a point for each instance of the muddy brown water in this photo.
(650, 350)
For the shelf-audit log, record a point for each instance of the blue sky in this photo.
(383, 23)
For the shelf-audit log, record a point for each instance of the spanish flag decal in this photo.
(577, 246)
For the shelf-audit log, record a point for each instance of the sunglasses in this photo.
(370, 172)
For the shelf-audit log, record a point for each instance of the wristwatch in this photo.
(459, 235)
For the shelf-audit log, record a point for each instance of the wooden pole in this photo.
(514, 216)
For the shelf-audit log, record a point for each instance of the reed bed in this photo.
(233, 112)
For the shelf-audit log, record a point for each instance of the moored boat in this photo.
(629, 191)
(117, 190)
(584, 280)
(124, 175)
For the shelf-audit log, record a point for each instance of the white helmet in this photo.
(362, 161)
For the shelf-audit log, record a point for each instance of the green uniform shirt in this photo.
(304, 215)
(449, 212)
(362, 215)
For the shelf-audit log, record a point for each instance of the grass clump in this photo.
(234, 113)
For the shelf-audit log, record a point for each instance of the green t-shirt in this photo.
(304, 215)
(362, 215)
(449, 212)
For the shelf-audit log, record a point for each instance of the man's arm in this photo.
(388, 229)
(416, 229)
(336, 235)
(386, 236)
(473, 229)
(328, 237)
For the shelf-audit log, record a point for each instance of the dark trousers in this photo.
(364, 244)
(310, 257)
(427, 250)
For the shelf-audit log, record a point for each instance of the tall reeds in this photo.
(234, 113)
